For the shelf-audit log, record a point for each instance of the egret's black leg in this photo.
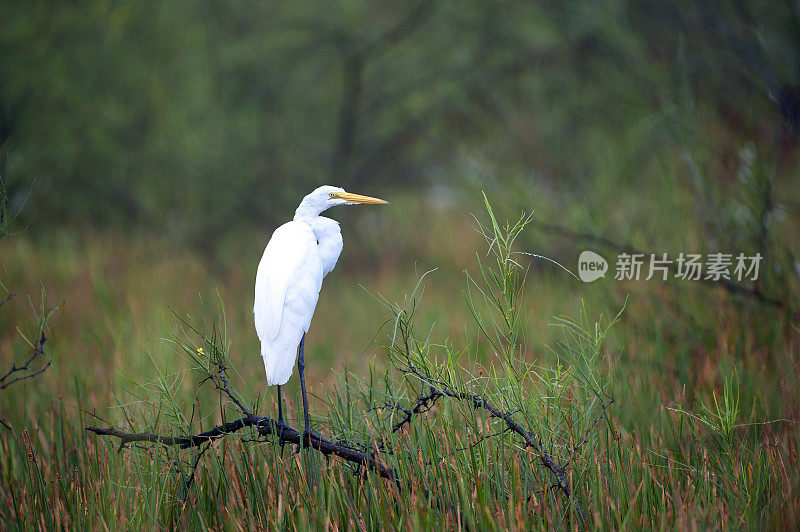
(280, 407)
(301, 366)
(280, 425)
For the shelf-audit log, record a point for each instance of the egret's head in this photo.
(328, 196)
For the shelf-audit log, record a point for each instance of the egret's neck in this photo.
(329, 240)
(309, 208)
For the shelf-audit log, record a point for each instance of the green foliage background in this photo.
(196, 117)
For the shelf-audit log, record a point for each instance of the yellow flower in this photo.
(200, 351)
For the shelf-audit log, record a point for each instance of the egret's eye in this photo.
(332, 195)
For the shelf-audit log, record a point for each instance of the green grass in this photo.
(702, 432)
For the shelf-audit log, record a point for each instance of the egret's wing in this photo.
(287, 252)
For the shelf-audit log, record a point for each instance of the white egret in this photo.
(299, 254)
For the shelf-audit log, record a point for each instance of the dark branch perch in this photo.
(266, 427)
(269, 427)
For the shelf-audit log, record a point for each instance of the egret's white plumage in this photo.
(299, 254)
(288, 282)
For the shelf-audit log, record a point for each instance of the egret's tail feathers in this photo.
(280, 351)
(278, 362)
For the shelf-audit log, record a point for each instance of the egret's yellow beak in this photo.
(358, 198)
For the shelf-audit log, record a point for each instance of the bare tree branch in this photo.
(190, 478)
(481, 440)
(426, 402)
(585, 440)
(17, 373)
(266, 427)
(26, 371)
(422, 405)
(8, 298)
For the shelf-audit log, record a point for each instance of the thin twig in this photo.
(38, 351)
(481, 440)
(422, 405)
(197, 459)
(219, 378)
(605, 406)
(8, 298)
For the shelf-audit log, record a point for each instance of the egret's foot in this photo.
(305, 441)
(281, 429)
